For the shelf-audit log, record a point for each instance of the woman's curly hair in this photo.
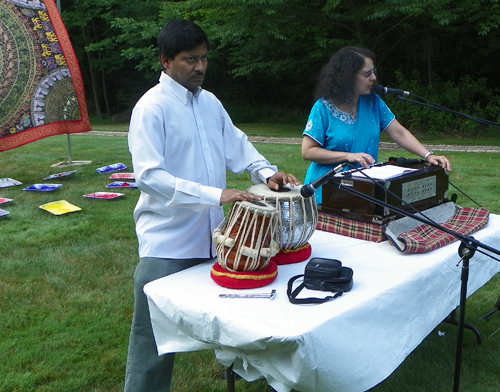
(337, 79)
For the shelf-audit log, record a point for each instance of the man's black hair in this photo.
(179, 35)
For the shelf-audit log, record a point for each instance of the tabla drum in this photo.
(246, 239)
(298, 215)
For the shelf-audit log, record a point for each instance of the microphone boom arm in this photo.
(435, 106)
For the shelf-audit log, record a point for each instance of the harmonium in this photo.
(409, 189)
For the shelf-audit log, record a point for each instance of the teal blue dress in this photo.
(338, 131)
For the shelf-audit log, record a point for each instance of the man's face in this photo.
(188, 67)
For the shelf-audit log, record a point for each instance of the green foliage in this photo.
(266, 114)
(96, 36)
(260, 47)
(468, 97)
(269, 52)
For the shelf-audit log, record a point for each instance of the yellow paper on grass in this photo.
(60, 207)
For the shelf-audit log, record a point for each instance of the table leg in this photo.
(497, 307)
(230, 379)
(451, 319)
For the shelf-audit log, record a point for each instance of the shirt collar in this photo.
(179, 90)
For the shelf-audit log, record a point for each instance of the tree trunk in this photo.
(93, 80)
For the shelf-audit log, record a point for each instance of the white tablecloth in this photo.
(349, 344)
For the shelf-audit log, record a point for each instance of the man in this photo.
(182, 142)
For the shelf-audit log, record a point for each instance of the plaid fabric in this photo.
(350, 228)
(425, 238)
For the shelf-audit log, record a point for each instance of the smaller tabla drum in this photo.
(246, 239)
(298, 216)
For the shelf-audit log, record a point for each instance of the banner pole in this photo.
(68, 136)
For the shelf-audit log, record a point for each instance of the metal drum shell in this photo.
(298, 216)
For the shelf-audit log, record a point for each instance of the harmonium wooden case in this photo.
(412, 191)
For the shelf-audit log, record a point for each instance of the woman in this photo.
(345, 122)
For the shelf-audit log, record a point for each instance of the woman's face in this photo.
(365, 78)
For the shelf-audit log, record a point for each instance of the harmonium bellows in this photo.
(415, 190)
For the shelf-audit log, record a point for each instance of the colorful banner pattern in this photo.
(41, 88)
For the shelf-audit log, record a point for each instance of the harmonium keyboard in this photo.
(410, 189)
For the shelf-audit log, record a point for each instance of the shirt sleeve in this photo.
(385, 114)
(241, 154)
(317, 123)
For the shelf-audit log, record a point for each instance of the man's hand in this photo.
(232, 195)
(280, 179)
(277, 181)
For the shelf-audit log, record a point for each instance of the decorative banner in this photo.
(41, 87)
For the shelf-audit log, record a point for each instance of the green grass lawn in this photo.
(66, 281)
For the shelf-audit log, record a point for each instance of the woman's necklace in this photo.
(351, 109)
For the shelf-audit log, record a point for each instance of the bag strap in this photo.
(292, 294)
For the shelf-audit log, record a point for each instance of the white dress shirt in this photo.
(181, 146)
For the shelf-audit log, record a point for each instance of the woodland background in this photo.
(266, 54)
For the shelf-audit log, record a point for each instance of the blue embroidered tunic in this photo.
(338, 131)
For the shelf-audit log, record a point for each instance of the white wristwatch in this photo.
(427, 155)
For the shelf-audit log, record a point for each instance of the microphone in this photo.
(308, 190)
(381, 90)
(407, 161)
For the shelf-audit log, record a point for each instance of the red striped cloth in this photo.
(425, 238)
(350, 228)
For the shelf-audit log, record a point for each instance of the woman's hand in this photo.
(362, 158)
(312, 151)
(406, 140)
(439, 160)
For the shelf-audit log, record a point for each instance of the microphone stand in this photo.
(466, 250)
(436, 106)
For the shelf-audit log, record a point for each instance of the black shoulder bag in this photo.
(324, 275)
